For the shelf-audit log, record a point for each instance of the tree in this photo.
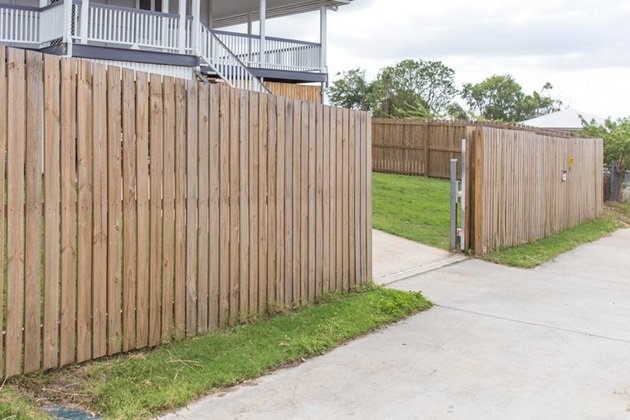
(351, 90)
(616, 136)
(457, 112)
(414, 89)
(501, 98)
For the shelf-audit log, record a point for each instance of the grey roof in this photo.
(567, 118)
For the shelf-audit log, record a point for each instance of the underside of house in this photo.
(183, 39)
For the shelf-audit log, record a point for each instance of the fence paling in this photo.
(166, 208)
(416, 147)
(518, 190)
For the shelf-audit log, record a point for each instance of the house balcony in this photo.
(125, 34)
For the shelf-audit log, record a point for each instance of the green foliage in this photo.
(411, 89)
(424, 89)
(16, 404)
(457, 112)
(616, 136)
(501, 98)
(416, 88)
(144, 384)
(351, 90)
(536, 253)
(412, 207)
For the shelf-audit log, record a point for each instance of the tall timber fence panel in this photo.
(415, 147)
(139, 209)
(525, 186)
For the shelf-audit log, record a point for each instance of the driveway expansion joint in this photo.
(533, 324)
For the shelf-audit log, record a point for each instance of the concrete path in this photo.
(396, 258)
(551, 343)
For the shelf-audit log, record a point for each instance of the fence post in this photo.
(462, 238)
(453, 242)
(613, 182)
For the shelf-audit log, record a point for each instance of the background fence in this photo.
(525, 185)
(309, 93)
(141, 209)
(417, 147)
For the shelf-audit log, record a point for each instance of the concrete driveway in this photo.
(549, 343)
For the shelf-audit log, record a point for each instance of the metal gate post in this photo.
(462, 236)
(454, 194)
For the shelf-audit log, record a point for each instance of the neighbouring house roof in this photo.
(234, 12)
(568, 119)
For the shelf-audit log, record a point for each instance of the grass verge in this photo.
(536, 253)
(412, 207)
(144, 384)
(15, 404)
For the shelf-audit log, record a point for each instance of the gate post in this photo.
(454, 194)
(462, 237)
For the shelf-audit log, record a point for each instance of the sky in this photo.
(580, 46)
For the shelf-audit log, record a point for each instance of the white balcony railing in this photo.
(230, 55)
(30, 25)
(280, 53)
(127, 27)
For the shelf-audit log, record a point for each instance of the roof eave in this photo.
(274, 12)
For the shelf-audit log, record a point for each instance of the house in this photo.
(567, 120)
(176, 38)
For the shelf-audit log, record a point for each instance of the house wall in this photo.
(180, 72)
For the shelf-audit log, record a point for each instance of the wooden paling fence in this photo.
(142, 208)
(309, 93)
(416, 147)
(526, 185)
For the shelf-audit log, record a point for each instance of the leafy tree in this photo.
(410, 89)
(457, 112)
(616, 135)
(414, 89)
(351, 90)
(501, 98)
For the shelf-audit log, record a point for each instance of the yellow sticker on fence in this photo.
(571, 161)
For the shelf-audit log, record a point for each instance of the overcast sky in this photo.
(580, 46)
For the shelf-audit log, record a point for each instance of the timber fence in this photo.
(140, 209)
(526, 185)
(416, 147)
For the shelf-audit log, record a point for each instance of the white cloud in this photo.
(580, 46)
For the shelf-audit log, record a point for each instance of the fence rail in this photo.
(141, 209)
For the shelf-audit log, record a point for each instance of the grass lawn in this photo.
(412, 207)
(544, 250)
(15, 404)
(146, 383)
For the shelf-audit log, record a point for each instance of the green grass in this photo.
(15, 404)
(536, 253)
(412, 207)
(143, 384)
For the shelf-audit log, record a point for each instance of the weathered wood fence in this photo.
(516, 190)
(309, 93)
(526, 185)
(417, 147)
(141, 209)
